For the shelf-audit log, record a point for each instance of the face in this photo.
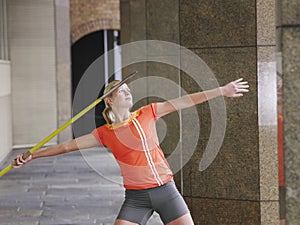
(121, 98)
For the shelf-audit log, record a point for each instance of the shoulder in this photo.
(98, 134)
(100, 130)
(149, 110)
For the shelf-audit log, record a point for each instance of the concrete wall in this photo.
(5, 109)
(32, 49)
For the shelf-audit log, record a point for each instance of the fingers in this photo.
(241, 86)
(239, 91)
(242, 90)
(237, 95)
(19, 161)
(236, 88)
(16, 166)
(238, 80)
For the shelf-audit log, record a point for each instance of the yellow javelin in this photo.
(65, 125)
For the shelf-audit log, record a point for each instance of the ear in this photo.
(109, 101)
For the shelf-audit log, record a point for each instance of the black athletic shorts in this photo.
(139, 205)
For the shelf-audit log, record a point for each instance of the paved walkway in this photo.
(66, 189)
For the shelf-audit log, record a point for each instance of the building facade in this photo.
(249, 39)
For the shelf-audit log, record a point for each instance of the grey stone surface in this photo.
(230, 212)
(266, 34)
(217, 23)
(290, 12)
(233, 174)
(291, 106)
(158, 20)
(61, 190)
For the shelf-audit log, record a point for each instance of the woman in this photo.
(132, 138)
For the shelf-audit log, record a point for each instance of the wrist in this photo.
(222, 91)
(34, 156)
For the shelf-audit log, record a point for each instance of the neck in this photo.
(121, 115)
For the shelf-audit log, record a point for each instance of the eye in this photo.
(124, 91)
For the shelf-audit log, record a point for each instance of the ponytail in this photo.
(107, 112)
(108, 115)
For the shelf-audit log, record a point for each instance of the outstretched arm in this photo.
(233, 89)
(83, 142)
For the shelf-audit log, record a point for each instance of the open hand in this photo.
(20, 161)
(235, 88)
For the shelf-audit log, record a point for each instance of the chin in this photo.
(128, 105)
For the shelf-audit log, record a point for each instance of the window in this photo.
(3, 31)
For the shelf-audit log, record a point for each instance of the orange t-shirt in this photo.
(135, 146)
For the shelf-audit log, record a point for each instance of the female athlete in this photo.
(132, 138)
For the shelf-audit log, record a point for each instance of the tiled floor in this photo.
(66, 189)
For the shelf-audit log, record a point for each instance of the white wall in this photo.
(5, 110)
(31, 33)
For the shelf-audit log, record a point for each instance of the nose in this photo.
(127, 92)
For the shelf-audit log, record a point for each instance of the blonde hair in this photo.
(107, 112)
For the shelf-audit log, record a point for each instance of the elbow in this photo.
(65, 148)
(68, 147)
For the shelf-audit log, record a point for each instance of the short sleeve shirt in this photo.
(135, 146)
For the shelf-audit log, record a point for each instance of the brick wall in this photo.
(91, 15)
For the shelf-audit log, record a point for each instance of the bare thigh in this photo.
(124, 222)
(185, 219)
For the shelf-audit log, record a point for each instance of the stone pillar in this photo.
(235, 40)
(288, 33)
(31, 31)
(133, 22)
(5, 109)
(145, 20)
(63, 66)
(267, 111)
